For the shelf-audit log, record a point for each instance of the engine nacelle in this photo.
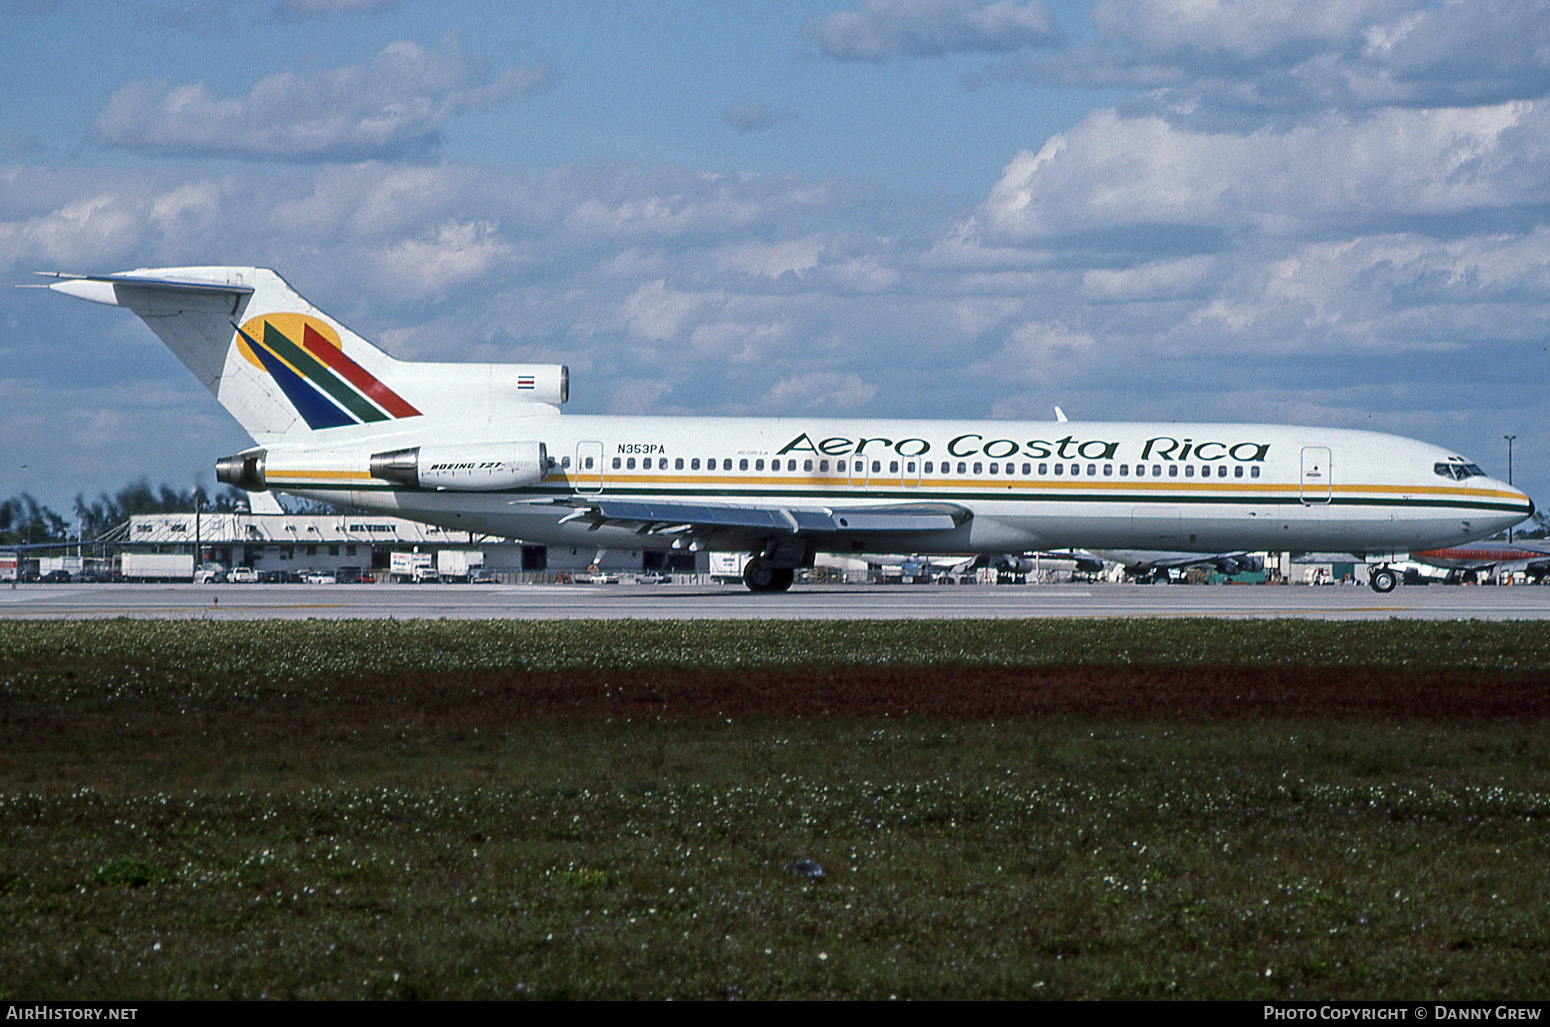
(484, 467)
(245, 471)
(532, 383)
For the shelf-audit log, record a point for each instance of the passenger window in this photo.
(1124, 470)
(645, 464)
(928, 466)
(1173, 470)
(979, 468)
(589, 463)
(758, 465)
(1092, 470)
(893, 467)
(963, 468)
(1108, 470)
(678, 464)
(1060, 468)
(742, 465)
(823, 467)
(1027, 470)
(1076, 469)
(1157, 470)
(1189, 470)
(877, 467)
(564, 461)
(694, 465)
(1253, 472)
(616, 463)
(1237, 472)
(629, 464)
(1044, 468)
(807, 465)
(993, 468)
(840, 465)
(910, 467)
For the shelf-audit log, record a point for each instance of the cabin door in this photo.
(1317, 484)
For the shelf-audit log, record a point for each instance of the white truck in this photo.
(10, 566)
(458, 564)
(419, 568)
(157, 566)
(70, 565)
(727, 568)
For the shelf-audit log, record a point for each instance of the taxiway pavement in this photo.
(825, 602)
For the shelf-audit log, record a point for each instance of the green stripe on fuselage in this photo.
(924, 495)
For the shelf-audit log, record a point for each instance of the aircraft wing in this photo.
(1142, 561)
(702, 520)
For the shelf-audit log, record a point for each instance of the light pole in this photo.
(1509, 439)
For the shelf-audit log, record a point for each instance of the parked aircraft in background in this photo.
(483, 447)
(1530, 557)
(1152, 565)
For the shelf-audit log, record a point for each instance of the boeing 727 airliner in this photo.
(484, 447)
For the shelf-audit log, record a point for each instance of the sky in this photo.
(1333, 212)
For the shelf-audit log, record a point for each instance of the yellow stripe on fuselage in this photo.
(712, 482)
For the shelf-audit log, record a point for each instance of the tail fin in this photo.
(284, 368)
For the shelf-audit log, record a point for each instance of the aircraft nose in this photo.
(1515, 496)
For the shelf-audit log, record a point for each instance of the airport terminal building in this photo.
(301, 543)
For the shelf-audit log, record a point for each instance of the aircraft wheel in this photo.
(1383, 580)
(761, 577)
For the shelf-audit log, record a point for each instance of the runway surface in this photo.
(830, 602)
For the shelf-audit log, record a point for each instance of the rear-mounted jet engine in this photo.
(478, 468)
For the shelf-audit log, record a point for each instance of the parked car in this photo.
(652, 578)
(319, 577)
(349, 576)
(56, 577)
(481, 577)
(210, 576)
(242, 576)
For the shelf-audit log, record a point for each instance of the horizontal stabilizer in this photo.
(103, 288)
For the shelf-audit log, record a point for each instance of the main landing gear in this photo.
(759, 576)
(1382, 579)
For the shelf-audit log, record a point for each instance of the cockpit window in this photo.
(1457, 471)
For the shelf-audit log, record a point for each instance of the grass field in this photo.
(1000, 809)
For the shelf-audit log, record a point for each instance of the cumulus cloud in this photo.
(78, 233)
(434, 264)
(883, 29)
(1226, 60)
(825, 392)
(1113, 173)
(396, 105)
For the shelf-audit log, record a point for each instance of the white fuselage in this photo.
(1028, 485)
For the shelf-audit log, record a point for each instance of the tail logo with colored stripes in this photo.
(305, 358)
